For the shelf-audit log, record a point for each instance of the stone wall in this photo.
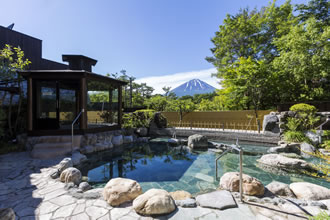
(231, 136)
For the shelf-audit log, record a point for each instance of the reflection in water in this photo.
(157, 165)
(144, 163)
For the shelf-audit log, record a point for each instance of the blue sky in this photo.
(161, 42)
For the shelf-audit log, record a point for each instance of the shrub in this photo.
(326, 134)
(295, 136)
(326, 144)
(305, 116)
(137, 119)
(303, 108)
(321, 216)
(293, 124)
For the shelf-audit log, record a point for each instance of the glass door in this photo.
(68, 103)
(46, 105)
(56, 104)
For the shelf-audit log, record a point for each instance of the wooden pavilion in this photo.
(55, 98)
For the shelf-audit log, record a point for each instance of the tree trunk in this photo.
(10, 127)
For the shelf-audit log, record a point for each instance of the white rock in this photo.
(309, 191)
(65, 163)
(84, 186)
(154, 202)
(314, 138)
(280, 189)
(120, 190)
(251, 186)
(197, 141)
(71, 175)
(78, 158)
(281, 162)
(117, 140)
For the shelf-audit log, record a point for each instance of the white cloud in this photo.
(176, 79)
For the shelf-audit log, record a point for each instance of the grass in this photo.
(321, 216)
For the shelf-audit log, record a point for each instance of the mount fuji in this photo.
(192, 87)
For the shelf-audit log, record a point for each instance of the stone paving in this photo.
(25, 186)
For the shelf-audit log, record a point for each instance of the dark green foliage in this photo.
(295, 136)
(305, 117)
(271, 55)
(319, 9)
(137, 119)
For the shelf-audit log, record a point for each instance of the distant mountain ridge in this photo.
(192, 87)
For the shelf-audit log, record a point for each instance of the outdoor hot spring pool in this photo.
(159, 165)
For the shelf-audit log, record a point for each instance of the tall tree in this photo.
(245, 42)
(303, 67)
(319, 9)
(12, 60)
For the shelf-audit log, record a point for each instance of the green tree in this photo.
(157, 103)
(318, 9)
(245, 41)
(183, 107)
(12, 60)
(302, 70)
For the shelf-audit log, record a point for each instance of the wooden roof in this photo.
(68, 74)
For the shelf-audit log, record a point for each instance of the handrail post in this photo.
(73, 122)
(241, 175)
(240, 150)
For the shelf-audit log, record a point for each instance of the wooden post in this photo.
(30, 104)
(120, 109)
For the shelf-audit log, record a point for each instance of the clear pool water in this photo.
(159, 165)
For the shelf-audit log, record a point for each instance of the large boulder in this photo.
(121, 190)
(71, 175)
(87, 149)
(280, 189)
(117, 140)
(197, 141)
(270, 123)
(325, 152)
(7, 214)
(180, 195)
(158, 121)
(251, 186)
(284, 163)
(313, 137)
(64, 164)
(142, 132)
(128, 139)
(154, 202)
(78, 158)
(217, 200)
(286, 148)
(306, 149)
(309, 191)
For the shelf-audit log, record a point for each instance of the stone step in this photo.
(49, 153)
(77, 139)
(56, 145)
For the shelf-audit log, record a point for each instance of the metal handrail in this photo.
(320, 129)
(240, 150)
(73, 122)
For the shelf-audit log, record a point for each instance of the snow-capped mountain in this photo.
(192, 87)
